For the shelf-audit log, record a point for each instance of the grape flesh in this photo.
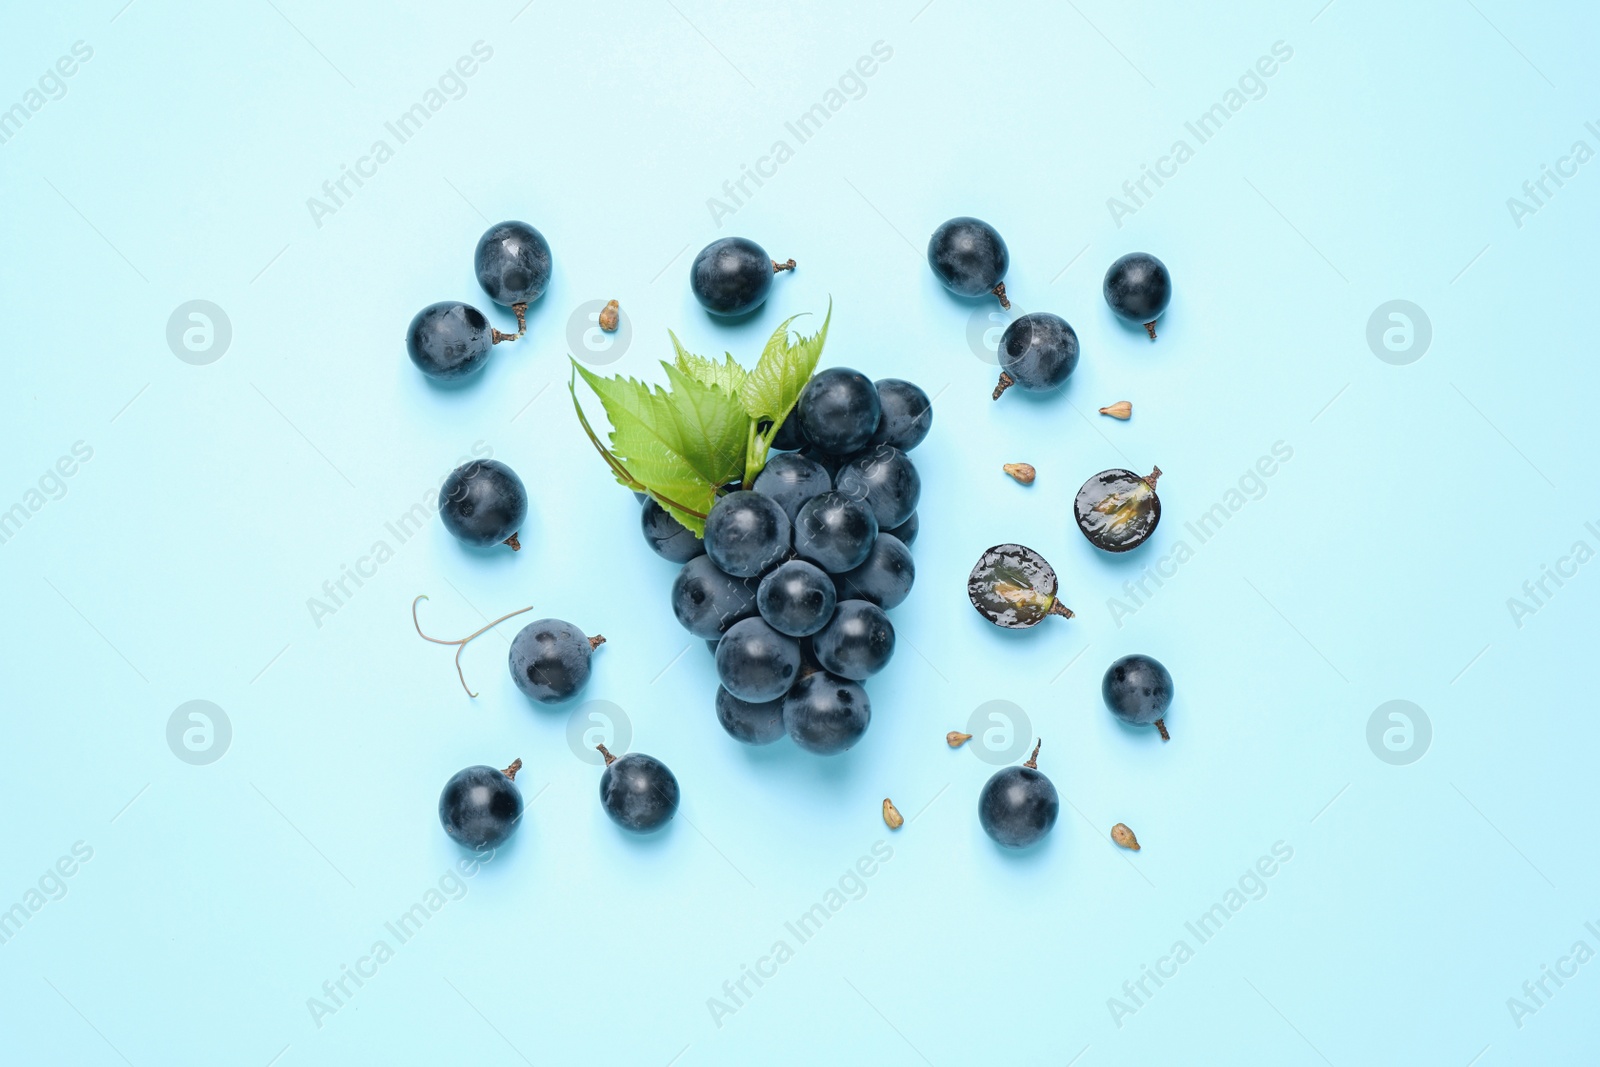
(885, 579)
(449, 340)
(839, 410)
(666, 536)
(747, 533)
(639, 792)
(751, 724)
(791, 480)
(907, 414)
(513, 263)
(825, 714)
(1138, 288)
(857, 643)
(1118, 510)
(550, 660)
(886, 480)
(1038, 352)
(1018, 806)
(756, 662)
(731, 276)
(483, 503)
(707, 601)
(835, 532)
(796, 599)
(480, 807)
(1138, 690)
(968, 256)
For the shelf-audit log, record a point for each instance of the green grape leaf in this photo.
(771, 389)
(712, 427)
(727, 375)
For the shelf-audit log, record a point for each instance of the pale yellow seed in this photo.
(1022, 472)
(608, 317)
(891, 815)
(955, 738)
(1120, 410)
(1124, 837)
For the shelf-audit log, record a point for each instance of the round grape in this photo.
(857, 643)
(839, 410)
(747, 533)
(907, 414)
(1138, 690)
(797, 598)
(481, 806)
(483, 503)
(792, 479)
(969, 258)
(449, 340)
(667, 537)
(825, 714)
(1018, 805)
(1038, 351)
(513, 264)
(639, 792)
(835, 532)
(906, 532)
(885, 578)
(886, 480)
(732, 276)
(1138, 288)
(550, 659)
(751, 724)
(707, 601)
(756, 662)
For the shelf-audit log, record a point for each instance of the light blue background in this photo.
(1377, 565)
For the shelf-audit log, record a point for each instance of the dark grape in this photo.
(747, 533)
(707, 601)
(667, 537)
(1038, 351)
(839, 410)
(1018, 805)
(826, 714)
(638, 791)
(797, 598)
(886, 480)
(1138, 288)
(1012, 586)
(752, 724)
(835, 532)
(970, 258)
(513, 265)
(1118, 510)
(756, 662)
(1138, 690)
(550, 659)
(481, 806)
(907, 414)
(449, 340)
(792, 479)
(857, 643)
(789, 437)
(483, 503)
(885, 578)
(733, 275)
(906, 532)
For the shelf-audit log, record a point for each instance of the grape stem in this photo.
(1006, 382)
(1033, 760)
(1058, 608)
(1000, 291)
(516, 546)
(511, 771)
(1150, 328)
(596, 641)
(1150, 479)
(495, 336)
(610, 759)
(778, 268)
(1161, 725)
(460, 643)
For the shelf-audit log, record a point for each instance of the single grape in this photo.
(792, 479)
(483, 503)
(550, 659)
(1118, 510)
(513, 265)
(885, 479)
(756, 662)
(789, 437)
(906, 532)
(1138, 690)
(747, 533)
(970, 258)
(733, 275)
(826, 714)
(797, 598)
(481, 806)
(1018, 805)
(667, 537)
(826, 460)
(857, 643)
(1138, 288)
(885, 578)
(638, 791)
(907, 414)
(707, 601)
(450, 340)
(839, 410)
(1012, 586)
(752, 724)
(1038, 351)
(834, 532)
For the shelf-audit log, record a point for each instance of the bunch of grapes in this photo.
(791, 585)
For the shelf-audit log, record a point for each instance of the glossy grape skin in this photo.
(789, 438)
(885, 579)
(825, 714)
(1014, 587)
(885, 479)
(1138, 690)
(792, 479)
(796, 599)
(639, 792)
(449, 340)
(968, 256)
(835, 532)
(826, 460)
(483, 503)
(750, 724)
(1038, 352)
(1138, 288)
(666, 536)
(906, 532)
(480, 807)
(706, 601)
(906, 414)
(1117, 510)
(747, 533)
(513, 263)
(731, 276)
(550, 660)
(756, 662)
(1018, 806)
(839, 410)
(857, 643)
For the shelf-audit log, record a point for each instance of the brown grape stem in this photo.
(1058, 608)
(596, 641)
(1150, 328)
(516, 546)
(1000, 291)
(1033, 760)
(610, 759)
(495, 336)
(778, 268)
(1161, 725)
(511, 771)
(1006, 382)
(1150, 479)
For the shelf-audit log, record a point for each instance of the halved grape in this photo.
(1012, 586)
